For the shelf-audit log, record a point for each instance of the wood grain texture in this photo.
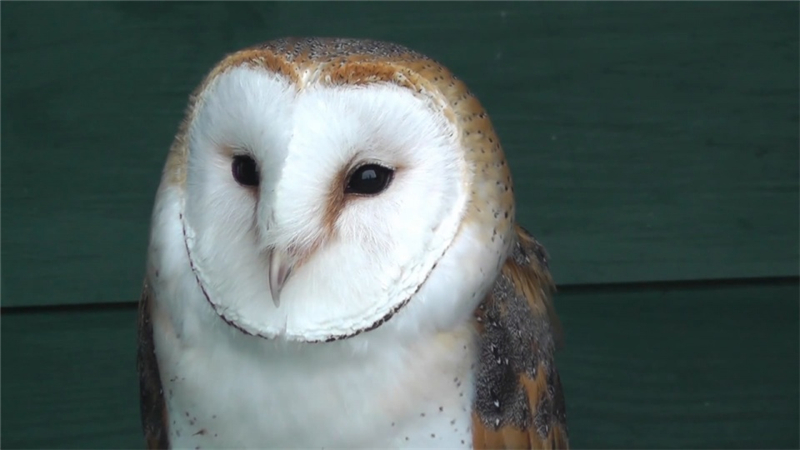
(648, 141)
(69, 380)
(701, 367)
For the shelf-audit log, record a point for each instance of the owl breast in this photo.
(239, 392)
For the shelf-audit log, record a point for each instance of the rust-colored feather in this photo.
(153, 407)
(519, 398)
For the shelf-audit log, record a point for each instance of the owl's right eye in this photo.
(245, 170)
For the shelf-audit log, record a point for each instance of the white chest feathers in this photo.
(226, 390)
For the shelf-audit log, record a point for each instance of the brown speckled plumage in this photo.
(519, 399)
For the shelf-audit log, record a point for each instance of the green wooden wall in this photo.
(654, 148)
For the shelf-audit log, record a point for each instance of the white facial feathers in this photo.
(361, 258)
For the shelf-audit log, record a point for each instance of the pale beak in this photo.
(280, 267)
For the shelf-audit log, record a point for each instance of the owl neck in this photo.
(249, 391)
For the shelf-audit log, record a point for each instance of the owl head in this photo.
(322, 188)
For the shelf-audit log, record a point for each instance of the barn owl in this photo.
(334, 263)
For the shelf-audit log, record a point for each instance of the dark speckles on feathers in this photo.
(332, 49)
(542, 418)
(515, 341)
(559, 406)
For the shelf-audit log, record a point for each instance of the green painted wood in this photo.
(649, 141)
(691, 367)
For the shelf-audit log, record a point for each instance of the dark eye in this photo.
(369, 179)
(245, 170)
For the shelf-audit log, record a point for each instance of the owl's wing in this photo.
(151, 396)
(519, 400)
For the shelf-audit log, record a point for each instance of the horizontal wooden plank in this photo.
(709, 367)
(698, 367)
(649, 141)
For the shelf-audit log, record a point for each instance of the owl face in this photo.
(313, 211)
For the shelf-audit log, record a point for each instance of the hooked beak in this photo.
(280, 267)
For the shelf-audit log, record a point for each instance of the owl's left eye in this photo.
(369, 179)
(245, 170)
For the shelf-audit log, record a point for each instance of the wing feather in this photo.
(519, 398)
(151, 395)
